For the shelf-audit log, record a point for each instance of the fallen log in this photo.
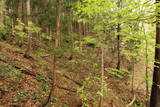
(27, 72)
(66, 89)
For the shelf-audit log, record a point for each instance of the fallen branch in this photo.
(72, 80)
(27, 72)
(66, 89)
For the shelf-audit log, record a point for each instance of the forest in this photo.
(79, 53)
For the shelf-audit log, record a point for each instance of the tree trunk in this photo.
(20, 7)
(24, 17)
(2, 4)
(133, 74)
(118, 48)
(79, 29)
(28, 19)
(57, 44)
(155, 93)
(70, 28)
(102, 77)
(58, 24)
(146, 64)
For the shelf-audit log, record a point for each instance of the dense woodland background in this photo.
(79, 53)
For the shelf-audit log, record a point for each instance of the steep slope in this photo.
(25, 81)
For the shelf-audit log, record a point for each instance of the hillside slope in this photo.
(25, 82)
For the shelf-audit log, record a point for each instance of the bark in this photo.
(80, 34)
(58, 23)
(102, 77)
(84, 28)
(80, 29)
(15, 13)
(70, 28)
(119, 5)
(133, 74)
(24, 17)
(20, 7)
(28, 19)
(118, 48)
(2, 6)
(155, 92)
(146, 73)
(57, 44)
(20, 11)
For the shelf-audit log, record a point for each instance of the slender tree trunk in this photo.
(118, 38)
(155, 93)
(70, 28)
(80, 34)
(133, 74)
(102, 76)
(146, 73)
(24, 11)
(87, 28)
(118, 48)
(80, 29)
(84, 28)
(58, 23)
(28, 19)
(20, 10)
(2, 7)
(53, 83)
(14, 9)
(57, 44)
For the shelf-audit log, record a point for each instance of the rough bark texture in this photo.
(155, 93)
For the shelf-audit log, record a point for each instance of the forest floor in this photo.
(23, 82)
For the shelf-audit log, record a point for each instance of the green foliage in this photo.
(90, 92)
(90, 41)
(3, 32)
(46, 36)
(45, 84)
(122, 73)
(103, 18)
(22, 30)
(33, 28)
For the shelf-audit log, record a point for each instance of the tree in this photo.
(118, 38)
(28, 11)
(155, 92)
(58, 23)
(2, 5)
